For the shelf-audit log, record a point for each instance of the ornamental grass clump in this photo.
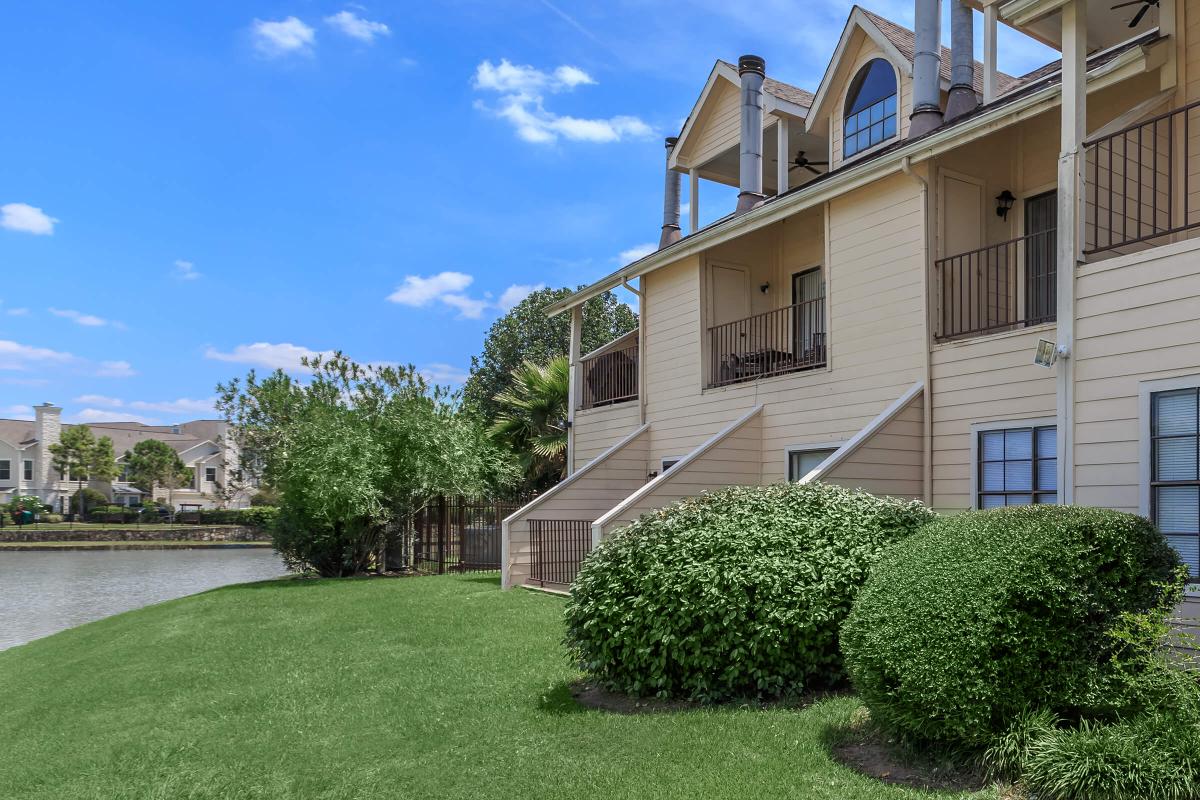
(985, 615)
(734, 594)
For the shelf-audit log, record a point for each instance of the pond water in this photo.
(47, 591)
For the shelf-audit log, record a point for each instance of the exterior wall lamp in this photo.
(1004, 204)
(764, 288)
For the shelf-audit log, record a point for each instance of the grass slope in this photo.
(429, 687)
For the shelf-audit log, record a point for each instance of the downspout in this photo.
(927, 62)
(927, 406)
(641, 368)
(963, 99)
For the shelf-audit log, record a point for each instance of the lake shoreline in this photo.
(13, 547)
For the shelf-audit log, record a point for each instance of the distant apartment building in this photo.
(204, 446)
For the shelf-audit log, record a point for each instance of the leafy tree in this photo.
(355, 450)
(526, 334)
(533, 420)
(78, 456)
(153, 464)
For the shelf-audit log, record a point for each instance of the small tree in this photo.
(533, 420)
(152, 463)
(79, 456)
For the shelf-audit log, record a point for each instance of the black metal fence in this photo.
(1139, 181)
(610, 377)
(557, 548)
(453, 534)
(788, 339)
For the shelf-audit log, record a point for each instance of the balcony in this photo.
(1002, 287)
(610, 373)
(1139, 183)
(789, 339)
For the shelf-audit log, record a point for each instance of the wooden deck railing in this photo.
(610, 377)
(996, 288)
(1138, 181)
(776, 342)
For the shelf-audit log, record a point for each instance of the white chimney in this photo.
(752, 70)
(48, 430)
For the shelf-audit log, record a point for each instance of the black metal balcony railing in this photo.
(557, 548)
(1139, 181)
(776, 342)
(996, 288)
(611, 377)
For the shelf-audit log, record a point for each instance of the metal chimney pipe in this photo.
(752, 70)
(963, 99)
(927, 62)
(670, 226)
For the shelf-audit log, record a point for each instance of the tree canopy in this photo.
(526, 334)
(154, 464)
(533, 420)
(353, 450)
(78, 455)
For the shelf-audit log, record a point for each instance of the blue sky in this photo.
(189, 190)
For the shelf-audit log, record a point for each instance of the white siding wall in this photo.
(891, 461)
(1138, 319)
(598, 429)
(876, 331)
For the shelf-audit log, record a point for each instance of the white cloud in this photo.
(516, 293)
(87, 320)
(17, 312)
(115, 369)
(636, 252)
(26, 219)
(356, 27)
(444, 374)
(182, 406)
(467, 307)
(98, 415)
(17, 356)
(417, 291)
(16, 412)
(185, 270)
(523, 90)
(285, 356)
(283, 37)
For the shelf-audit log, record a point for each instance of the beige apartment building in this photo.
(940, 282)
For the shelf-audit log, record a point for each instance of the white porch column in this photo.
(1070, 190)
(990, 15)
(693, 200)
(573, 386)
(782, 155)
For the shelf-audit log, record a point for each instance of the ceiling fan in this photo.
(802, 162)
(1145, 6)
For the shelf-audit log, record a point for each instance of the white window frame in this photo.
(1145, 390)
(1001, 425)
(662, 463)
(8, 468)
(841, 113)
(804, 448)
(27, 474)
(213, 479)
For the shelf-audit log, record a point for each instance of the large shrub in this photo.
(985, 614)
(261, 517)
(737, 593)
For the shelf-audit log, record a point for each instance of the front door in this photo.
(1041, 288)
(808, 326)
(729, 294)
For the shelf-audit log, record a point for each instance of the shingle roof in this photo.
(124, 435)
(784, 91)
(905, 41)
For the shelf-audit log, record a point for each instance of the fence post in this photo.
(443, 523)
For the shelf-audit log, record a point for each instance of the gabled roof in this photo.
(898, 42)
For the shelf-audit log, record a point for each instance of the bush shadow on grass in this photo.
(859, 745)
(559, 700)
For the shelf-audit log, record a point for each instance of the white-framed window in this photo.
(871, 113)
(1170, 459)
(804, 458)
(210, 474)
(670, 461)
(5, 469)
(1014, 463)
(28, 469)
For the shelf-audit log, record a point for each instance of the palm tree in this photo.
(533, 419)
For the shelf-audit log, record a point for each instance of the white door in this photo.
(728, 295)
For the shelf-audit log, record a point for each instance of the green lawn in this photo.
(108, 526)
(132, 544)
(440, 687)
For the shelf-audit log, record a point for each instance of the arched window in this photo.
(870, 108)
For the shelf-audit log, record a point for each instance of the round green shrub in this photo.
(733, 594)
(984, 614)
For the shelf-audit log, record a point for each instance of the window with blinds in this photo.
(1018, 467)
(802, 462)
(1174, 480)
